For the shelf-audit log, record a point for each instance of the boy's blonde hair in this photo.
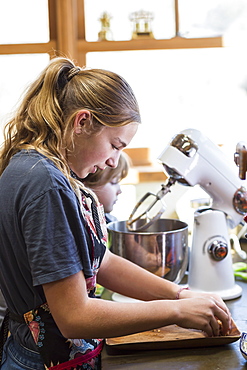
(102, 177)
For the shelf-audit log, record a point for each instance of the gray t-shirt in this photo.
(43, 236)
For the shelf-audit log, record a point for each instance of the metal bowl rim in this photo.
(128, 232)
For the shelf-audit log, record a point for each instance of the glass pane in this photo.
(207, 18)
(163, 24)
(179, 89)
(24, 21)
(20, 71)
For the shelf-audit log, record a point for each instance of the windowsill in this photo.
(141, 174)
(143, 169)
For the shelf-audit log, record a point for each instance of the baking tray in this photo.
(171, 336)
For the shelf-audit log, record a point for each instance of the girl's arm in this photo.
(79, 316)
(124, 277)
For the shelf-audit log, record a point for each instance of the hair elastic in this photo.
(73, 72)
(180, 290)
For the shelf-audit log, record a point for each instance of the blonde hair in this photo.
(44, 120)
(102, 177)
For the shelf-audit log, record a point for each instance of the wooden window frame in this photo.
(67, 36)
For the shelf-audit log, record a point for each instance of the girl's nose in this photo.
(113, 161)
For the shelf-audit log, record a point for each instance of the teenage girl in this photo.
(71, 122)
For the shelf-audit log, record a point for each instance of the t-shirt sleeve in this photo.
(55, 236)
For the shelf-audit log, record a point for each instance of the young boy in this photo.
(106, 184)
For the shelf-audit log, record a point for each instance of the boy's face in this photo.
(108, 194)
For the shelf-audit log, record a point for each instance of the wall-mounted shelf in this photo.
(48, 47)
(150, 44)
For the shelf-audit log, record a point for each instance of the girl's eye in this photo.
(114, 147)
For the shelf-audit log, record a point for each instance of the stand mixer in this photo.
(192, 159)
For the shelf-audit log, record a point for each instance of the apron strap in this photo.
(4, 332)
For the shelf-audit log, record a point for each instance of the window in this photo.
(24, 21)
(29, 24)
(20, 71)
(178, 89)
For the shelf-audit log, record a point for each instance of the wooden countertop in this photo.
(226, 357)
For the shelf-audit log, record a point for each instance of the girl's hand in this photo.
(203, 311)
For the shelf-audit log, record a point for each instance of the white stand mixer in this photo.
(190, 159)
(193, 159)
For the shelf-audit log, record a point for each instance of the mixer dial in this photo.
(218, 250)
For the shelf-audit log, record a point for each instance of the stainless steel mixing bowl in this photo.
(162, 248)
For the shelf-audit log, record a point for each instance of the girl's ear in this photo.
(82, 118)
